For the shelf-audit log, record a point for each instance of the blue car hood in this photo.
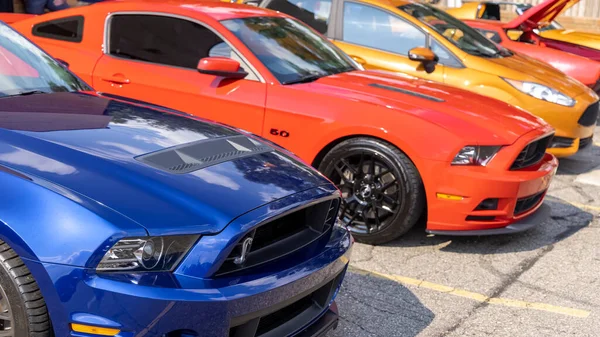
(168, 173)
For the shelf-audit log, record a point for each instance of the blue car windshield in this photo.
(291, 51)
(26, 69)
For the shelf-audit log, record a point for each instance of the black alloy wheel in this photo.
(6, 315)
(382, 191)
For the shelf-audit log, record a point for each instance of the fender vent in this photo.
(198, 155)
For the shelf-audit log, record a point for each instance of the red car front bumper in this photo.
(474, 200)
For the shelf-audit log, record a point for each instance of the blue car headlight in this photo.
(158, 253)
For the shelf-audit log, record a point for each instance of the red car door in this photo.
(154, 58)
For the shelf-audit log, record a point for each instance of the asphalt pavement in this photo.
(544, 282)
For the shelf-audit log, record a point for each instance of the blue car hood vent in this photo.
(194, 156)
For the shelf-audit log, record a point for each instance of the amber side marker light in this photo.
(94, 330)
(449, 196)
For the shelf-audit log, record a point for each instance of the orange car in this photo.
(395, 146)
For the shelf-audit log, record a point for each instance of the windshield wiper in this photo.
(306, 79)
(344, 70)
(30, 92)
(479, 53)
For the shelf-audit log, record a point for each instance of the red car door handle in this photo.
(116, 78)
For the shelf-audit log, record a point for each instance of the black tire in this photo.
(22, 307)
(365, 187)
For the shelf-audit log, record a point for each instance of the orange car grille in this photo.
(590, 116)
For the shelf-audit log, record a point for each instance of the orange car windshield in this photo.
(25, 69)
(461, 35)
(291, 51)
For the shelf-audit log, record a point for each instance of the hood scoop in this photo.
(407, 92)
(194, 156)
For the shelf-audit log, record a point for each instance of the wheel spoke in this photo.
(363, 213)
(361, 162)
(352, 218)
(342, 176)
(388, 185)
(389, 199)
(377, 221)
(381, 174)
(350, 167)
(387, 209)
(351, 200)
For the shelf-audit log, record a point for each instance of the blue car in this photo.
(123, 219)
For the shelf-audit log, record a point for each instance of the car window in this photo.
(315, 13)
(166, 40)
(446, 58)
(457, 32)
(26, 68)
(371, 27)
(491, 12)
(65, 29)
(224, 50)
(490, 34)
(291, 51)
(160, 39)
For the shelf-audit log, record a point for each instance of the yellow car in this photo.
(552, 30)
(420, 40)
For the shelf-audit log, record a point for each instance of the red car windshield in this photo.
(25, 69)
(291, 51)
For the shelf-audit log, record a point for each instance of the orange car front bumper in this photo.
(483, 201)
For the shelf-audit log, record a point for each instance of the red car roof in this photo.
(215, 9)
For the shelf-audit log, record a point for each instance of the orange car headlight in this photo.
(475, 155)
(542, 92)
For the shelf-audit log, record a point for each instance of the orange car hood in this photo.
(485, 119)
(524, 68)
(541, 15)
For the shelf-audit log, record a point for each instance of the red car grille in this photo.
(532, 153)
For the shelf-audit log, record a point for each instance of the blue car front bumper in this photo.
(298, 301)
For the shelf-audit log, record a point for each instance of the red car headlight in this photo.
(475, 155)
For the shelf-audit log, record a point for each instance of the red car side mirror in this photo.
(62, 63)
(221, 66)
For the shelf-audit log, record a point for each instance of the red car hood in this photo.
(452, 108)
(541, 15)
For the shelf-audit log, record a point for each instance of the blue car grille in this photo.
(289, 317)
(281, 237)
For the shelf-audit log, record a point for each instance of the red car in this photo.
(527, 26)
(582, 68)
(395, 146)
